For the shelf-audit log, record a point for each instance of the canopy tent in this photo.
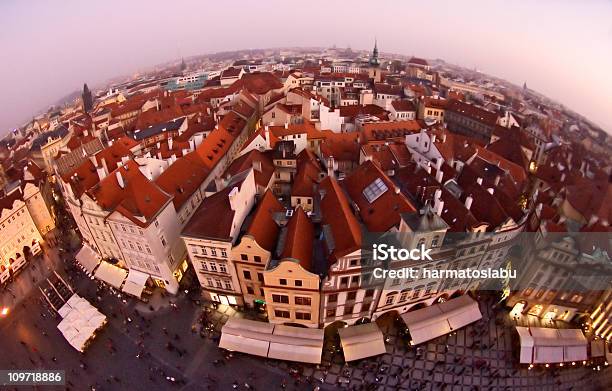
(80, 321)
(88, 258)
(362, 341)
(296, 344)
(273, 341)
(598, 348)
(246, 336)
(440, 319)
(540, 345)
(135, 283)
(111, 274)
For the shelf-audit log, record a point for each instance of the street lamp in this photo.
(4, 311)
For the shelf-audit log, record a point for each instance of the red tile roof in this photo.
(263, 228)
(213, 219)
(384, 212)
(381, 131)
(337, 214)
(183, 178)
(403, 105)
(300, 239)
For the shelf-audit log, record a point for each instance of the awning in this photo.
(80, 321)
(246, 336)
(362, 341)
(273, 341)
(540, 345)
(440, 319)
(598, 348)
(135, 283)
(111, 274)
(88, 258)
(296, 344)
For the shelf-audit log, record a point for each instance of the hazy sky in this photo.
(562, 48)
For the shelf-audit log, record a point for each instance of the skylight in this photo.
(375, 190)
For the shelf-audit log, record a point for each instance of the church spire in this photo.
(374, 59)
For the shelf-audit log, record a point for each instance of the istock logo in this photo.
(384, 252)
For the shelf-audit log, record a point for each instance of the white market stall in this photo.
(274, 341)
(540, 345)
(111, 274)
(440, 319)
(88, 258)
(135, 283)
(362, 341)
(80, 322)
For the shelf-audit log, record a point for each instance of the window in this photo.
(302, 315)
(348, 309)
(260, 277)
(213, 267)
(375, 190)
(257, 258)
(244, 257)
(298, 282)
(213, 252)
(209, 281)
(333, 298)
(163, 241)
(403, 296)
(280, 299)
(354, 262)
(222, 268)
(204, 266)
(223, 253)
(355, 280)
(331, 312)
(282, 281)
(434, 241)
(250, 290)
(344, 281)
(302, 300)
(351, 296)
(390, 299)
(228, 285)
(281, 314)
(366, 306)
(246, 274)
(218, 282)
(369, 293)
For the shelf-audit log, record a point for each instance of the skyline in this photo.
(579, 81)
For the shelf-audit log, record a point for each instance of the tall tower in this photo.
(87, 99)
(374, 64)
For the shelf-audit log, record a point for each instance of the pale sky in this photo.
(562, 48)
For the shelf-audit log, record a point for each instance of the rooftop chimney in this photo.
(497, 179)
(330, 167)
(439, 176)
(468, 202)
(257, 165)
(491, 190)
(479, 180)
(120, 179)
(170, 142)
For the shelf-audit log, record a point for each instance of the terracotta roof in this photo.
(337, 214)
(381, 155)
(213, 219)
(139, 199)
(341, 146)
(300, 239)
(231, 72)
(403, 105)
(81, 179)
(291, 129)
(472, 111)
(418, 61)
(435, 103)
(250, 160)
(388, 89)
(381, 131)
(260, 83)
(511, 150)
(183, 178)
(261, 132)
(306, 176)
(591, 198)
(383, 212)
(263, 228)
(352, 111)
(112, 155)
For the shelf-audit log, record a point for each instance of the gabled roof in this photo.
(403, 105)
(307, 175)
(112, 155)
(380, 131)
(338, 216)
(254, 159)
(472, 111)
(138, 199)
(213, 219)
(300, 239)
(263, 228)
(341, 146)
(293, 129)
(383, 212)
(81, 179)
(183, 178)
